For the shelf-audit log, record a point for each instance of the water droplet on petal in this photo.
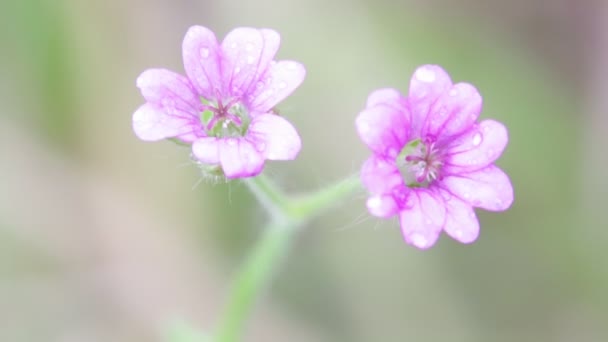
(453, 92)
(466, 195)
(425, 75)
(250, 59)
(204, 52)
(392, 152)
(363, 127)
(283, 85)
(419, 240)
(477, 139)
(374, 202)
(237, 70)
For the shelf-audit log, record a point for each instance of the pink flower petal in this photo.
(152, 123)
(383, 129)
(202, 60)
(247, 54)
(488, 188)
(382, 206)
(428, 83)
(274, 137)
(207, 150)
(386, 96)
(460, 221)
(477, 148)
(279, 80)
(170, 90)
(380, 176)
(239, 158)
(454, 112)
(423, 219)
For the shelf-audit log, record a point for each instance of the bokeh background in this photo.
(107, 238)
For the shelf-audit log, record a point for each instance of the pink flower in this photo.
(432, 162)
(224, 106)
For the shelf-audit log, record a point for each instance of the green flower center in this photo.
(420, 163)
(224, 120)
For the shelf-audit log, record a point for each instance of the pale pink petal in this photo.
(169, 90)
(382, 206)
(385, 96)
(428, 83)
(380, 176)
(383, 129)
(477, 148)
(152, 123)
(460, 222)
(423, 218)
(488, 188)
(202, 60)
(274, 137)
(206, 150)
(279, 80)
(454, 112)
(239, 158)
(247, 54)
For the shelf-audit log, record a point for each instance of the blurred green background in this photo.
(107, 238)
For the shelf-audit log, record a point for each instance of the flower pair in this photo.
(431, 162)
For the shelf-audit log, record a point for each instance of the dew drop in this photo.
(446, 196)
(363, 127)
(237, 70)
(419, 240)
(392, 152)
(466, 195)
(374, 202)
(477, 139)
(425, 75)
(204, 52)
(283, 85)
(453, 92)
(250, 59)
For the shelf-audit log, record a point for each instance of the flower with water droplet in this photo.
(444, 164)
(224, 106)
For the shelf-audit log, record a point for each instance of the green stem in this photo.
(309, 206)
(270, 196)
(253, 277)
(287, 214)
